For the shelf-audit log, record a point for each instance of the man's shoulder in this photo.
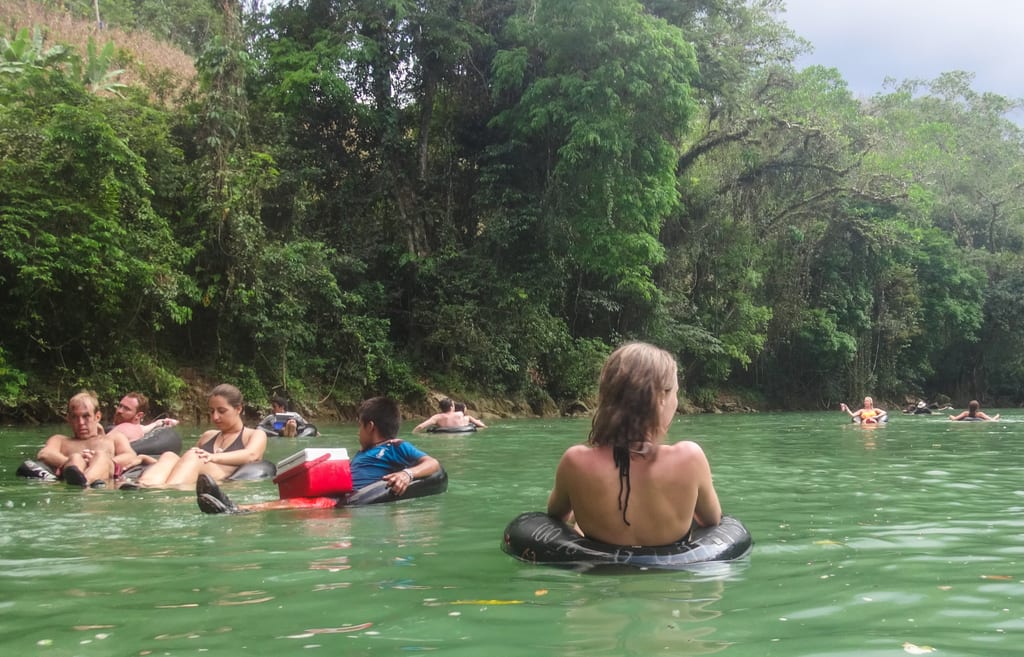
(131, 430)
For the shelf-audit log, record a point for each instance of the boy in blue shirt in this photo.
(383, 469)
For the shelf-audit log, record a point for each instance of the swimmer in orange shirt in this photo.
(869, 414)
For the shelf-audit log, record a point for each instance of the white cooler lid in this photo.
(312, 454)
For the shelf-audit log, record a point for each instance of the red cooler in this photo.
(314, 473)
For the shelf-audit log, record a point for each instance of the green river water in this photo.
(903, 539)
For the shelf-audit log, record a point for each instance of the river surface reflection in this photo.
(903, 539)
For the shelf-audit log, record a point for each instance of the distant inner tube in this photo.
(538, 538)
(467, 428)
(971, 419)
(303, 431)
(273, 425)
(881, 420)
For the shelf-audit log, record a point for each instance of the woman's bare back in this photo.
(666, 486)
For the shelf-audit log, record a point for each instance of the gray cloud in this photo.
(869, 40)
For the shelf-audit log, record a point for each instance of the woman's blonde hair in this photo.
(633, 382)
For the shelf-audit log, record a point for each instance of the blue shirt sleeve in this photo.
(369, 466)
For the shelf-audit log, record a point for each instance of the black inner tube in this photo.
(538, 538)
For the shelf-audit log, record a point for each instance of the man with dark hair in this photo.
(446, 419)
(382, 459)
(129, 413)
(281, 421)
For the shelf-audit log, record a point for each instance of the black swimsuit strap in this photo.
(211, 444)
(237, 441)
(208, 446)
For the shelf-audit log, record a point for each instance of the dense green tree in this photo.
(90, 270)
(593, 101)
(364, 197)
(960, 157)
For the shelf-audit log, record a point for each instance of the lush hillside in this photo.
(485, 198)
(146, 60)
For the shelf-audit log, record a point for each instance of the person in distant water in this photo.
(921, 408)
(924, 408)
(625, 486)
(973, 412)
(281, 421)
(446, 419)
(219, 452)
(468, 419)
(130, 412)
(89, 457)
(382, 457)
(867, 415)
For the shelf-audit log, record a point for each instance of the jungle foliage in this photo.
(372, 197)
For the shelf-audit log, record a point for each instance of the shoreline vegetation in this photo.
(144, 59)
(191, 412)
(451, 199)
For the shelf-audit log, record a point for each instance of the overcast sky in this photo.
(868, 40)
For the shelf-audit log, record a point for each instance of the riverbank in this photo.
(189, 405)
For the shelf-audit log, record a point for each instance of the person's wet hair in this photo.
(445, 405)
(633, 382)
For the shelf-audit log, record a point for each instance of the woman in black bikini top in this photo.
(211, 456)
(211, 445)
